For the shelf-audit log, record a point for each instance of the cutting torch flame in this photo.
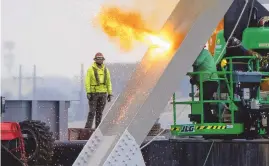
(126, 28)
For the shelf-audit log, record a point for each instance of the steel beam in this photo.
(151, 87)
(177, 68)
(263, 2)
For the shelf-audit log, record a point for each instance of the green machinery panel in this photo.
(253, 38)
(256, 38)
(206, 129)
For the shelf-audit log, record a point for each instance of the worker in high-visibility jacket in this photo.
(99, 90)
(205, 63)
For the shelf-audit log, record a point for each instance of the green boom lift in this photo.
(240, 106)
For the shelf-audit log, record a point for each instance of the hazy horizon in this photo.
(58, 36)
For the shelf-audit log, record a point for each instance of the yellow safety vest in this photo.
(98, 80)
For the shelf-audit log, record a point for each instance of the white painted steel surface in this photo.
(181, 62)
(154, 81)
(126, 153)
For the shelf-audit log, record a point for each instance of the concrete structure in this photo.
(53, 113)
(116, 141)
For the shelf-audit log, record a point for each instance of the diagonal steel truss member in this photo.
(116, 141)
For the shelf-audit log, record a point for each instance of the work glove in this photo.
(193, 81)
(109, 97)
(89, 96)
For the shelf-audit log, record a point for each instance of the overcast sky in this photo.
(57, 35)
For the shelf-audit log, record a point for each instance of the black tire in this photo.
(38, 143)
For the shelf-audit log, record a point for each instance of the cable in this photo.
(217, 60)
(152, 139)
(251, 10)
(182, 110)
(208, 153)
(241, 14)
(14, 156)
(158, 133)
(164, 129)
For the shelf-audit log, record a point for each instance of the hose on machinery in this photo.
(231, 35)
(210, 149)
(240, 16)
(163, 130)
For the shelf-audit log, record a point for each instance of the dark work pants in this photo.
(210, 87)
(96, 108)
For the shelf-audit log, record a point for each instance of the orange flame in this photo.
(128, 28)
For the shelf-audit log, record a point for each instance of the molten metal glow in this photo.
(129, 27)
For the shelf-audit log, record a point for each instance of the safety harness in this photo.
(97, 76)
